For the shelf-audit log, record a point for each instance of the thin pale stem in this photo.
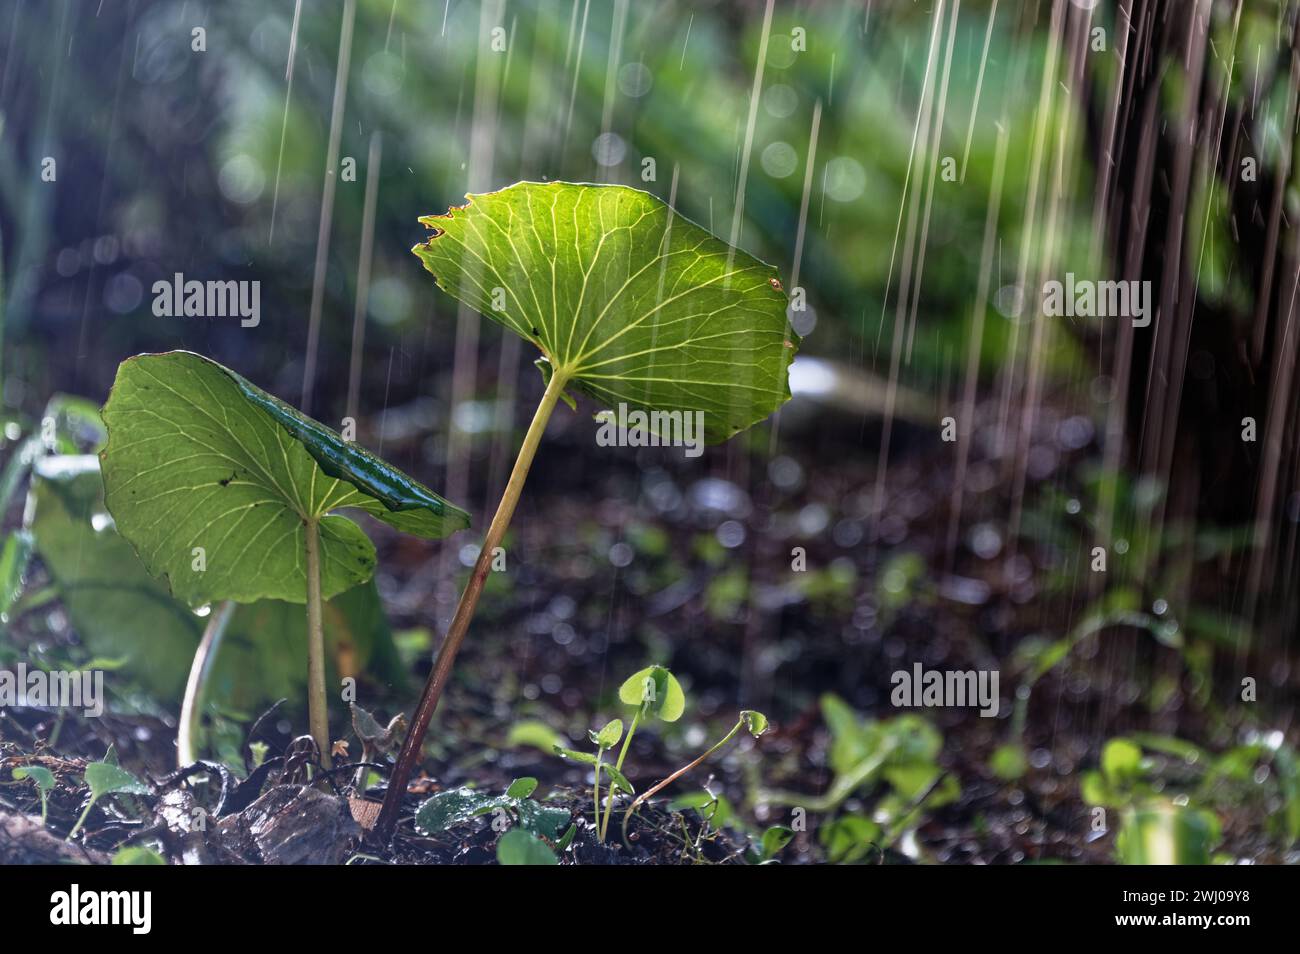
(676, 775)
(622, 754)
(187, 740)
(627, 740)
(437, 680)
(595, 794)
(82, 818)
(610, 794)
(317, 709)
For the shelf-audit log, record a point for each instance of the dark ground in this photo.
(615, 562)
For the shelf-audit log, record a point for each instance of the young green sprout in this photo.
(629, 304)
(755, 722)
(106, 778)
(605, 740)
(44, 780)
(656, 693)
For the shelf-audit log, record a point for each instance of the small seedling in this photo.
(230, 494)
(106, 778)
(44, 780)
(655, 692)
(629, 304)
(755, 722)
(604, 740)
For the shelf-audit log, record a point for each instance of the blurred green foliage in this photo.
(213, 161)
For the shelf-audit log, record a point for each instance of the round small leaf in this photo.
(522, 787)
(608, 737)
(518, 847)
(755, 721)
(42, 776)
(658, 689)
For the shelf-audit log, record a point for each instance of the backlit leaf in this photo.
(608, 737)
(197, 457)
(628, 301)
(43, 777)
(659, 688)
(522, 787)
(104, 778)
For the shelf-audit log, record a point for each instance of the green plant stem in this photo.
(84, 812)
(187, 748)
(627, 740)
(595, 795)
(437, 680)
(678, 774)
(603, 829)
(317, 709)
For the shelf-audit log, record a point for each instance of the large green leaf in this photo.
(197, 457)
(120, 612)
(627, 300)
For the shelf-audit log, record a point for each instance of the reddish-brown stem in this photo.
(437, 681)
